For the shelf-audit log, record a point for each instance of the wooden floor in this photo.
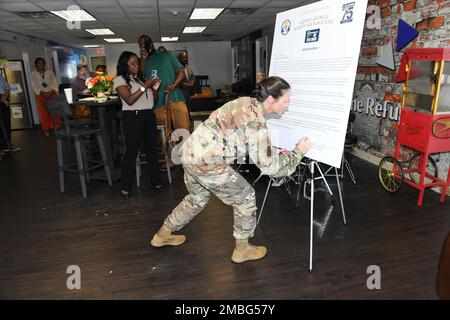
(43, 231)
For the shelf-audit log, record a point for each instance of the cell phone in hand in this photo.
(154, 79)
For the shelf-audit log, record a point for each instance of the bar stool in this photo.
(72, 131)
(139, 162)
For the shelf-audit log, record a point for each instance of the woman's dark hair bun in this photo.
(272, 86)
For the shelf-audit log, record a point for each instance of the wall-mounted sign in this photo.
(16, 112)
(372, 107)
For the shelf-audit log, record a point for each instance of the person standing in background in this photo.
(162, 49)
(100, 69)
(138, 119)
(5, 118)
(188, 84)
(45, 87)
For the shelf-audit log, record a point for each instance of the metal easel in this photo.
(311, 166)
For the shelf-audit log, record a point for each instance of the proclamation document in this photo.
(316, 49)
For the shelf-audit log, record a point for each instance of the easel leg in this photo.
(340, 195)
(350, 171)
(264, 201)
(299, 183)
(323, 178)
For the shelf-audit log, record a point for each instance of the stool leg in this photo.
(85, 159)
(59, 153)
(104, 158)
(138, 170)
(166, 157)
(80, 167)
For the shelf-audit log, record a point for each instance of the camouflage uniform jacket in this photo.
(236, 130)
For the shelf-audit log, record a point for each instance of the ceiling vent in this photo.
(35, 14)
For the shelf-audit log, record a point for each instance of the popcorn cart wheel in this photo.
(390, 174)
(391, 171)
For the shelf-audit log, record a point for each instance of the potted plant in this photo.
(100, 86)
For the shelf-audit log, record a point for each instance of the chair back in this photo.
(58, 107)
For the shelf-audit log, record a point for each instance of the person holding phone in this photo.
(166, 67)
(138, 119)
(233, 131)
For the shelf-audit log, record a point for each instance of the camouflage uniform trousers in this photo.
(227, 185)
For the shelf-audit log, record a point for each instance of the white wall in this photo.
(207, 58)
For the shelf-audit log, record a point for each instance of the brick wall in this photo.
(432, 19)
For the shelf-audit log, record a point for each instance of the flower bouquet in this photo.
(100, 86)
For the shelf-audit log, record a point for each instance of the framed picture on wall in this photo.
(83, 59)
(96, 61)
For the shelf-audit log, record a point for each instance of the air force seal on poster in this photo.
(285, 27)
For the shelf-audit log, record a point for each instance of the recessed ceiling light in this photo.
(91, 46)
(206, 13)
(169, 39)
(114, 40)
(174, 12)
(74, 15)
(99, 32)
(193, 29)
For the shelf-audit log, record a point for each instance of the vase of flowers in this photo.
(99, 86)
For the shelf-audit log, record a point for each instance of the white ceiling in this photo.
(128, 19)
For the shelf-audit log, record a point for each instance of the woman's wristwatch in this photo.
(142, 89)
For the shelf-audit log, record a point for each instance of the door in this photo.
(234, 65)
(21, 117)
(261, 59)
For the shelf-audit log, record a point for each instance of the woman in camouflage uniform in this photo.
(231, 132)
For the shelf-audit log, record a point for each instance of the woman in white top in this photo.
(138, 119)
(45, 87)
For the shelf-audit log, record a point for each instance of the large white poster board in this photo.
(316, 49)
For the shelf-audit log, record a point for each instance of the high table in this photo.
(106, 115)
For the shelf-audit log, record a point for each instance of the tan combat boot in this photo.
(164, 237)
(246, 252)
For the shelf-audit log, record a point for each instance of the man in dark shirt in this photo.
(169, 70)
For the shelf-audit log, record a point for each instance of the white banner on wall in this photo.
(316, 49)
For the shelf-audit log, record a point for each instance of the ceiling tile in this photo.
(285, 3)
(248, 3)
(56, 5)
(19, 6)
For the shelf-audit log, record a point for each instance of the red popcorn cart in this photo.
(424, 122)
